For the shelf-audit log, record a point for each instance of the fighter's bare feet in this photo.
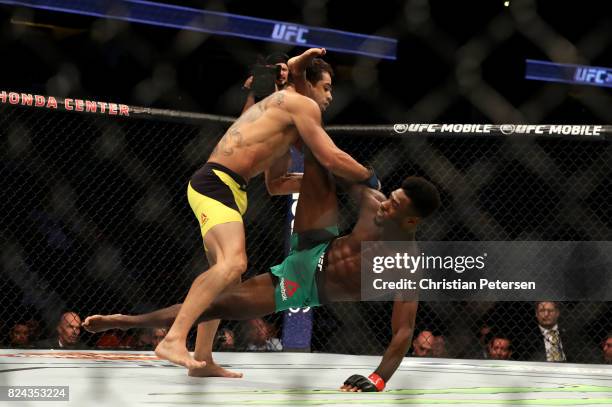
(174, 350)
(213, 370)
(100, 323)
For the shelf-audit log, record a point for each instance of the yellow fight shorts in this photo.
(216, 195)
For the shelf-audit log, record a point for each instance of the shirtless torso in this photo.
(261, 136)
(342, 281)
(264, 133)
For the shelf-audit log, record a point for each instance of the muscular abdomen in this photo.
(343, 272)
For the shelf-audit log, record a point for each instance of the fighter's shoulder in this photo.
(296, 101)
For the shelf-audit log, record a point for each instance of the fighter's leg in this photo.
(226, 242)
(161, 318)
(317, 206)
(205, 337)
(206, 330)
(252, 299)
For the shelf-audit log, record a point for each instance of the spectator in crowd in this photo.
(423, 344)
(145, 340)
(67, 336)
(115, 339)
(499, 347)
(607, 349)
(279, 60)
(546, 341)
(225, 340)
(484, 338)
(476, 347)
(34, 329)
(157, 335)
(439, 347)
(149, 338)
(268, 76)
(260, 336)
(109, 340)
(19, 336)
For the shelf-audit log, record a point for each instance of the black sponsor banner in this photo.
(487, 271)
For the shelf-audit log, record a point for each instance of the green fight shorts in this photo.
(296, 285)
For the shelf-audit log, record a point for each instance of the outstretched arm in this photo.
(402, 323)
(297, 68)
(306, 116)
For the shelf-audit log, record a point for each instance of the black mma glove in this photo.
(372, 181)
(366, 384)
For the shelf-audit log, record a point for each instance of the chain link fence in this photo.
(95, 218)
(96, 221)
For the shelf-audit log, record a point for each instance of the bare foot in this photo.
(213, 370)
(174, 351)
(100, 323)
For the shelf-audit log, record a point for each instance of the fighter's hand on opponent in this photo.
(359, 383)
(372, 181)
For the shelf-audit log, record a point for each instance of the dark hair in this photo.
(314, 71)
(499, 335)
(423, 194)
(555, 303)
(277, 58)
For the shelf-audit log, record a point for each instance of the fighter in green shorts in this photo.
(295, 279)
(322, 267)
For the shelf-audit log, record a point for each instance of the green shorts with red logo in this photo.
(296, 286)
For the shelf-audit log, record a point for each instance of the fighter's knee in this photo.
(235, 268)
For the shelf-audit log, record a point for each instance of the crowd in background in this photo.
(536, 332)
(251, 335)
(546, 340)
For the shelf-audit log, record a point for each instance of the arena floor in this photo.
(138, 379)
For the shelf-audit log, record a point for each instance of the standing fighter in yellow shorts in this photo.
(321, 266)
(258, 141)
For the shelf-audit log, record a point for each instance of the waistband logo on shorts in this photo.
(320, 262)
(288, 288)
